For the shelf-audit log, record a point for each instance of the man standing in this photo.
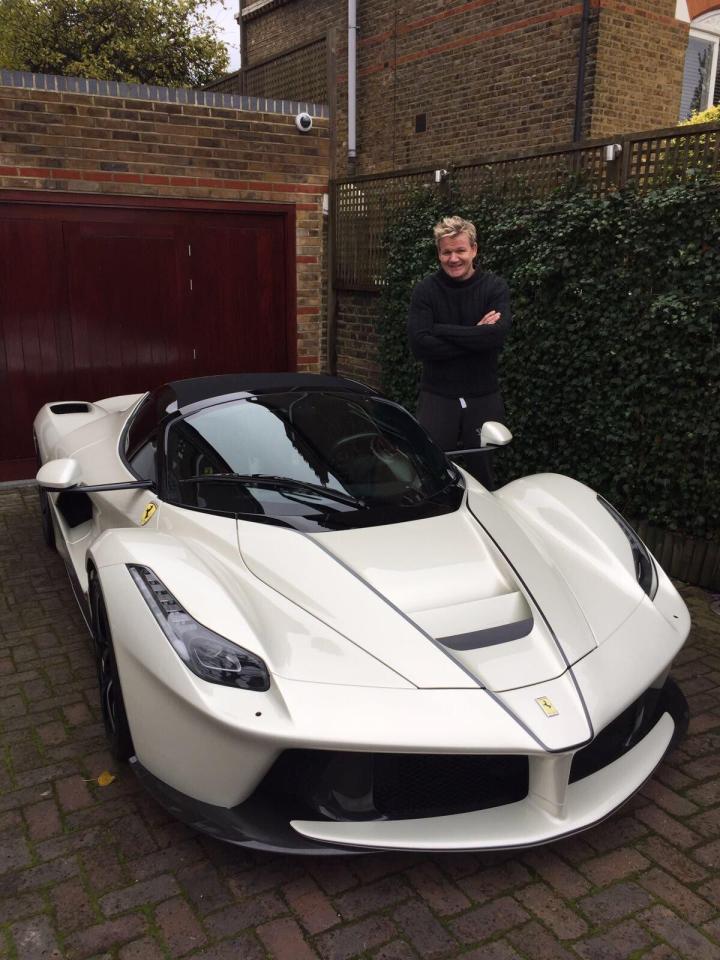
(459, 318)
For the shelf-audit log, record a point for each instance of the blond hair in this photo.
(453, 227)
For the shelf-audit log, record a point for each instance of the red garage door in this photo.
(97, 301)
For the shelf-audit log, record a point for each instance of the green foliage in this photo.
(165, 42)
(711, 115)
(612, 371)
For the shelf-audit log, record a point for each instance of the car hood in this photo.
(450, 601)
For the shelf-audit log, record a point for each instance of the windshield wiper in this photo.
(270, 482)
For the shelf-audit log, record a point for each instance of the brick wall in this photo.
(489, 77)
(356, 338)
(639, 66)
(67, 135)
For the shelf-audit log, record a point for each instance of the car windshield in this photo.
(311, 459)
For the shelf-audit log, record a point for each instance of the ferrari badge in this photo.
(148, 513)
(547, 706)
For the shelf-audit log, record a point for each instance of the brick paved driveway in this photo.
(87, 871)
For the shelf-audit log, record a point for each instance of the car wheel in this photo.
(46, 521)
(112, 703)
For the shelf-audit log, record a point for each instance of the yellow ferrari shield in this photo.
(148, 513)
(547, 706)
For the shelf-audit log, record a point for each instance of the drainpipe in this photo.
(352, 80)
(582, 63)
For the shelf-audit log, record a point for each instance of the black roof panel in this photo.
(197, 389)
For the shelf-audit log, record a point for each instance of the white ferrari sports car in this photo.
(315, 633)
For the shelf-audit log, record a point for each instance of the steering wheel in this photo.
(353, 436)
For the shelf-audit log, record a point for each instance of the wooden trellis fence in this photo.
(365, 205)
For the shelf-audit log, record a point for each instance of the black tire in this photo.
(112, 703)
(46, 521)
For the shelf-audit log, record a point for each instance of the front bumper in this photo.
(342, 804)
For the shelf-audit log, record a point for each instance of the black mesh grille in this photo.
(423, 786)
(619, 736)
(360, 786)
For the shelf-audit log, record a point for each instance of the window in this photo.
(701, 78)
(141, 436)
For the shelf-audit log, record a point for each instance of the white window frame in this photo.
(713, 38)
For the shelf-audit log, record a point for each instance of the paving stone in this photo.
(616, 902)
(429, 937)
(355, 938)
(552, 911)
(103, 868)
(680, 934)
(564, 879)
(73, 907)
(43, 820)
(283, 940)
(105, 936)
(356, 903)
(169, 860)
(333, 876)
(35, 939)
(150, 891)
(709, 855)
(14, 853)
(310, 905)
(144, 949)
(674, 861)
(265, 876)
(240, 916)
(442, 896)
(395, 950)
(615, 866)
(489, 883)
(36, 877)
(239, 948)
(16, 907)
(204, 887)
(676, 895)
(619, 943)
(668, 827)
(484, 922)
(615, 833)
(179, 926)
(533, 940)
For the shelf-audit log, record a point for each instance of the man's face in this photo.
(456, 256)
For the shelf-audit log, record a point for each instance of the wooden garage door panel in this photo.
(127, 309)
(33, 328)
(239, 294)
(97, 301)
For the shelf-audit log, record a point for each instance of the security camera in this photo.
(303, 121)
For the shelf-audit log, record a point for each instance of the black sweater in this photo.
(459, 358)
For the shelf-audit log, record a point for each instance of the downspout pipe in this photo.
(352, 82)
(582, 66)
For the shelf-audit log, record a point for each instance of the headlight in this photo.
(644, 564)
(204, 652)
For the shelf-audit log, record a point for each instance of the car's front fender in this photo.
(580, 537)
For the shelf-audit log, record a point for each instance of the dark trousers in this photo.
(452, 425)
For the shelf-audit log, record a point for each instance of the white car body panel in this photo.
(434, 636)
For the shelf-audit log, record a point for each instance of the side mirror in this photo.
(65, 475)
(494, 434)
(59, 474)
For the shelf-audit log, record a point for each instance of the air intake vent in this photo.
(59, 408)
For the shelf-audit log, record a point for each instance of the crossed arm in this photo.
(445, 341)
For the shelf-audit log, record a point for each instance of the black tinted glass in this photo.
(327, 459)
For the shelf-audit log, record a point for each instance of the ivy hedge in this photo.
(612, 370)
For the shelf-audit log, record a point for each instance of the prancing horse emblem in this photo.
(148, 513)
(547, 706)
